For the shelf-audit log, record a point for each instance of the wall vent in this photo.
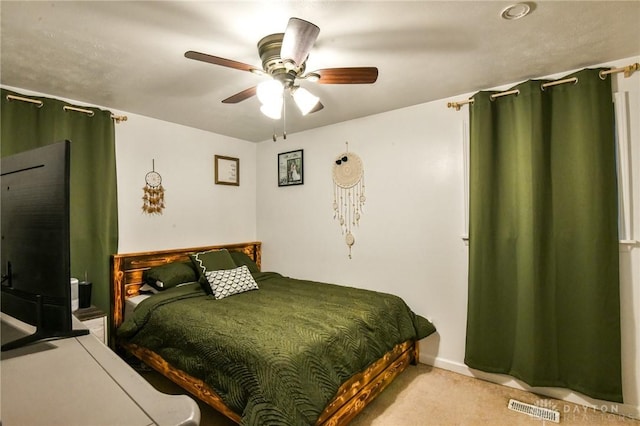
(540, 413)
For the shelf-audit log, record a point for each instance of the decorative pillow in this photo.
(240, 258)
(170, 275)
(225, 283)
(211, 261)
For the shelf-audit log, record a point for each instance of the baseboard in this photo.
(627, 410)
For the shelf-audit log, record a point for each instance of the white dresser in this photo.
(80, 381)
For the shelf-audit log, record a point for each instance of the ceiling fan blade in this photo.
(352, 75)
(298, 40)
(220, 61)
(241, 96)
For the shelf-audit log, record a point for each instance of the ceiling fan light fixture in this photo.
(304, 99)
(272, 110)
(270, 92)
(298, 39)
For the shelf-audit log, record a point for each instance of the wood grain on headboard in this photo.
(127, 269)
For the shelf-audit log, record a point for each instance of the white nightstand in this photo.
(95, 320)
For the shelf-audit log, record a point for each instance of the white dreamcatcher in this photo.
(153, 192)
(348, 193)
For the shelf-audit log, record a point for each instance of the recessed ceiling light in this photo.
(515, 11)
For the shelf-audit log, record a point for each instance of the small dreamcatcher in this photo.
(153, 198)
(348, 193)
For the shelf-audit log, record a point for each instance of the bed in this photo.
(342, 374)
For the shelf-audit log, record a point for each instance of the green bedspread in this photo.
(276, 355)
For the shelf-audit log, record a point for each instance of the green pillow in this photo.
(240, 258)
(213, 260)
(170, 275)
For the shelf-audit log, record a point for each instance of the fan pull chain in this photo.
(284, 118)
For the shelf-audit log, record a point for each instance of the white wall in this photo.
(198, 212)
(409, 239)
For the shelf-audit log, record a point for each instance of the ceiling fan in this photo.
(284, 57)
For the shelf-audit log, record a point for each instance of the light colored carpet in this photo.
(424, 395)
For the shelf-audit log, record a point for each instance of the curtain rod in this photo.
(39, 103)
(628, 70)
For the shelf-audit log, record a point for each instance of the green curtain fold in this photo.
(94, 213)
(544, 301)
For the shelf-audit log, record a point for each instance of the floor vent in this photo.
(540, 413)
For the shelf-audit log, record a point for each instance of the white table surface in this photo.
(80, 381)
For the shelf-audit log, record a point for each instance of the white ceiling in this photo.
(129, 56)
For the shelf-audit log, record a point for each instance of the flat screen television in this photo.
(35, 242)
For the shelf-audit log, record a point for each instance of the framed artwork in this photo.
(290, 170)
(227, 170)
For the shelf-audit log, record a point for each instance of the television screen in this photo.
(35, 241)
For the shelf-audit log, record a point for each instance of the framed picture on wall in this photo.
(227, 170)
(290, 168)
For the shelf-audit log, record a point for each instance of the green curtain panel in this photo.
(544, 295)
(94, 213)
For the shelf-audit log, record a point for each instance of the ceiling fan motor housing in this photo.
(269, 48)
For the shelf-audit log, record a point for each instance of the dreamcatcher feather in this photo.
(153, 193)
(348, 194)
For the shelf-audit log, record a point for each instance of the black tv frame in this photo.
(35, 242)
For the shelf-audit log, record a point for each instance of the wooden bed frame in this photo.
(353, 395)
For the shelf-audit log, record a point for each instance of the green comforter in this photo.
(276, 355)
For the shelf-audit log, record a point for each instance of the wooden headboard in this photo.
(127, 269)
